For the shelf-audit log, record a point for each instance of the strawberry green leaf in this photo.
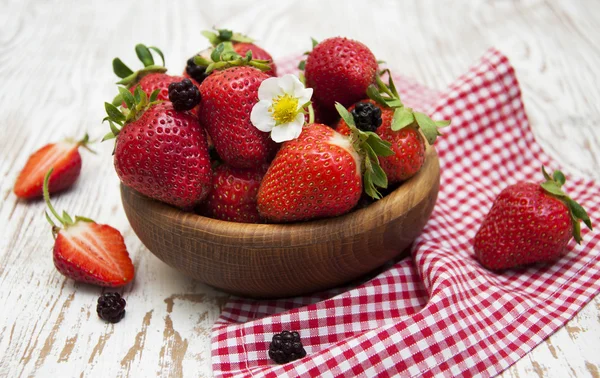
(114, 113)
(83, 219)
(120, 69)
(213, 38)
(118, 100)
(374, 95)
(553, 188)
(215, 55)
(346, 116)
(442, 123)
(576, 230)
(154, 95)
(238, 37)
(113, 128)
(314, 42)
(393, 86)
(137, 93)
(579, 212)
(302, 65)
(402, 118)
(109, 136)
(159, 52)
(144, 54)
(67, 218)
(379, 146)
(380, 61)
(225, 34)
(428, 127)
(127, 97)
(393, 103)
(545, 173)
(201, 61)
(559, 177)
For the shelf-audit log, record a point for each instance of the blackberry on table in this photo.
(184, 95)
(367, 116)
(111, 307)
(286, 347)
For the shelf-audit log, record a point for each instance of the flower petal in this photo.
(260, 116)
(288, 131)
(269, 89)
(287, 83)
(303, 95)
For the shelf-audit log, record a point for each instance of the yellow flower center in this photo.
(284, 109)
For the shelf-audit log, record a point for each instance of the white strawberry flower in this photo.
(280, 109)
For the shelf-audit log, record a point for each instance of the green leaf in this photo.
(160, 53)
(113, 128)
(138, 94)
(559, 177)
(154, 95)
(393, 103)
(143, 101)
(114, 113)
(579, 212)
(576, 230)
(402, 118)
(393, 86)
(201, 61)
(216, 53)
(380, 61)
(49, 219)
(442, 123)
(545, 173)
(120, 69)
(346, 116)
(67, 218)
(109, 136)
(225, 34)
(379, 176)
(374, 95)
(302, 65)
(127, 97)
(144, 55)
(117, 101)
(213, 38)
(83, 219)
(379, 146)
(238, 37)
(314, 42)
(428, 127)
(552, 188)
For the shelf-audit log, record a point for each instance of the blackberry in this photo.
(195, 71)
(184, 95)
(367, 116)
(111, 307)
(285, 347)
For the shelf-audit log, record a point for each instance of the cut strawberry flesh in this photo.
(93, 253)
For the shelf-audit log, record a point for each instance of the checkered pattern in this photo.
(438, 313)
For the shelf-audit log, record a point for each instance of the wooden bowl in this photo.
(280, 260)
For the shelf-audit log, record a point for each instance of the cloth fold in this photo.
(437, 313)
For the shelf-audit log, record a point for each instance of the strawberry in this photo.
(529, 223)
(393, 122)
(233, 196)
(241, 44)
(340, 70)
(227, 100)
(322, 173)
(86, 251)
(64, 157)
(160, 152)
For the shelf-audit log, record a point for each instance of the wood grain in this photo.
(284, 260)
(55, 74)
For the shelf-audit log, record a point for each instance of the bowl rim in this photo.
(266, 235)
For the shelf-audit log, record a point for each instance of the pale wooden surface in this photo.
(55, 74)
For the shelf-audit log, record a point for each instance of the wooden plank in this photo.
(55, 73)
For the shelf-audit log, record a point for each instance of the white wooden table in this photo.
(55, 73)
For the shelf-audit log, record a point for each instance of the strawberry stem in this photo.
(311, 114)
(46, 193)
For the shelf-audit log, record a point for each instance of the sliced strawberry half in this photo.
(86, 251)
(63, 157)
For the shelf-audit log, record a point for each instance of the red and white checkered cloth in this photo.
(438, 313)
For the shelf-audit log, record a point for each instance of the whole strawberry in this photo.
(86, 251)
(340, 70)
(529, 223)
(233, 196)
(227, 100)
(321, 174)
(160, 152)
(241, 44)
(63, 157)
(400, 126)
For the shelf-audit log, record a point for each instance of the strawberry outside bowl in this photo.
(282, 260)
